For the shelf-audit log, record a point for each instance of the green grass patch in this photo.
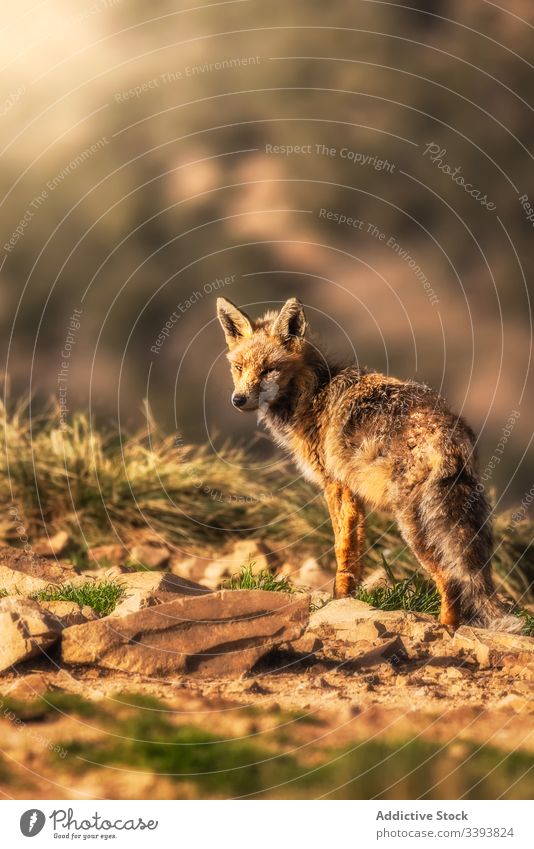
(247, 579)
(414, 593)
(102, 596)
(141, 733)
(148, 740)
(44, 707)
(528, 622)
(418, 595)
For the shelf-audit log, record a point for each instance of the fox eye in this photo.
(238, 368)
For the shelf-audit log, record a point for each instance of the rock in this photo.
(519, 665)
(26, 628)
(111, 573)
(494, 648)
(144, 589)
(375, 579)
(518, 704)
(108, 555)
(150, 556)
(256, 689)
(27, 687)
(27, 573)
(69, 613)
(352, 620)
(192, 568)
(222, 633)
(307, 644)
(318, 599)
(391, 649)
(52, 546)
(253, 553)
(314, 576)
(216, 573)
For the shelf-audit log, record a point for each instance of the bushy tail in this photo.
(457, 522)
(483, 610)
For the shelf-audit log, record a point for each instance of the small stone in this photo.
(256, 689)
(391, 649)
(519, 704)
(454, 673)
(150, 556)
(28, 687)
(109, 573)
(251, 553)
(318, 599)
(192, 568)
(52, 546)
(108, 555)
(216, 573)
(375, 579)
(321, 683)
(254, 552)
(314, 576)
(307, 644)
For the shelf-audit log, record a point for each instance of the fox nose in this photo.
(239, 400)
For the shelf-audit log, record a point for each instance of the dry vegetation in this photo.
(103, 486)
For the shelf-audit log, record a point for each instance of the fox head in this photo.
(265, 355)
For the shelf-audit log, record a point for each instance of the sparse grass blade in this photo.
(248, 579)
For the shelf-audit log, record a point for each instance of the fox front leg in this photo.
(348, 523)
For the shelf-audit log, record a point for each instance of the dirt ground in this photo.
(322, 725)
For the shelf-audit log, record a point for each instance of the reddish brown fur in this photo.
(369, 439)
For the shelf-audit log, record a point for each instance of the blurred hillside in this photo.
(146, 170)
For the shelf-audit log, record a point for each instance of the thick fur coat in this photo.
(371, 441)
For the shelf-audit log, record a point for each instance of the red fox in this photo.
(370, 440)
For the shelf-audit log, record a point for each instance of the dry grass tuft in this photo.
(101, 486)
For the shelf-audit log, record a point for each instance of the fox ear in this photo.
(236, 324)
(290, 322)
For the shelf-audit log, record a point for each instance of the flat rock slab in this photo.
(26, 629)
(221, 633)
(27, 573)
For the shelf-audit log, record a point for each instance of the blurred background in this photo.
(373, 159)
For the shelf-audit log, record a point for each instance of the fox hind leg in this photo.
(413, 534)
(348, 522)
